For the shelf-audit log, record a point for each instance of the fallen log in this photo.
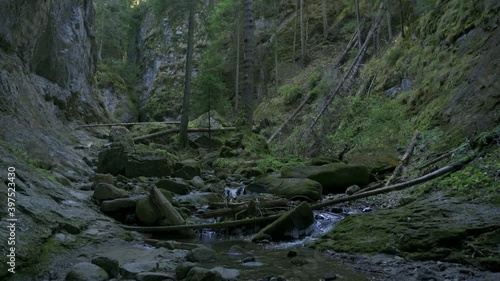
(450, 168)
(167, 210)
(217, 225)
(404, 160)
(174, 131)
(128, 124)
(235, 210)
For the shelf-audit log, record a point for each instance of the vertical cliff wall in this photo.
(54, 39)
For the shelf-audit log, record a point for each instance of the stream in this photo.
(289, 259)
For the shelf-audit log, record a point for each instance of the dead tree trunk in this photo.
(404, 160)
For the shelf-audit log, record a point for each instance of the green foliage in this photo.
(290, 94)
(370, 123)
(215, 84)
(480, 179)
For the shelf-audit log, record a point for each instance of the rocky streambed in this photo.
(394, 237)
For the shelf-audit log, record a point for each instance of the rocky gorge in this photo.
(84, 208)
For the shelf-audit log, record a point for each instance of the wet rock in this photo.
(227, 273)
(153, 276)
(198, 182)
(187, 169)
(298, 188)
(130, 270)
(292, 224)
(201, 254)
(236, 250)
(203, 274)
(119, 204)
(335, 178)
(352, 189)
(111, 266)
(104, 191)
(85, 271)
(182, 270)
(173, 185)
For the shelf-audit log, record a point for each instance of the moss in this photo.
(126, 236)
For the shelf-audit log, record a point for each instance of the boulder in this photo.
(131, 270)
(300, 188)
(111, 266)
(85, 271)
(182, 270)
(149, 165)
(104, 191)
(227, 274)
(203, 141)
(187, 169)
(153, 276)
(378, 161)
(291, 225)
(335, 178)
(352, 189)
(102, 178)
(112, 160)
(174, 186)
(119, 204)
(202, 274)
(201, 254)
(198, 182)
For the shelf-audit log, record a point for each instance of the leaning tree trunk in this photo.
(360, 42)
(248, 64)
(187, 86)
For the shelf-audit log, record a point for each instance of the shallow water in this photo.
(271, 259)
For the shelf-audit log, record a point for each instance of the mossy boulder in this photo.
(112, 160)
(431, 229)
(149, 162)
(187, 169)
(298, 188)
(173, 185)
(147, 212)
(377, 160)
(335, 178)
(291, 225)
(235, 141)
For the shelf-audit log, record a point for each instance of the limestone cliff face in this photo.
(54, 39)
(162, 44)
